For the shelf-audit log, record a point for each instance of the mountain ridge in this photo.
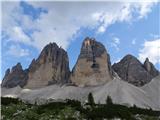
(93, 64)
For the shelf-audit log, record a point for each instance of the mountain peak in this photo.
(147, 59)
(131, 70)
(150, 68)
(91, 49)
(129, 57)
(18, 66)
(93, 65)
(89, 41)
(52, 66)
(17, 76)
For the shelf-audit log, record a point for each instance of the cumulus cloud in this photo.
(17, 51)
(64, 19)
(144, 8)
(151, 49)
(18, 35)
(116, 40)
(115, 43)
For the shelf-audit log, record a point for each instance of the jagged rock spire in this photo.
(93, 64)
(150, 68)
(17, 76)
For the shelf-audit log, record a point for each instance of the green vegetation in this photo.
(14, 109)
(91, 99)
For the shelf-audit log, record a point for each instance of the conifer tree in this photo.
(91, 99)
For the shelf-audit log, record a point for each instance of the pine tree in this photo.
(109, 101)
(91, 99)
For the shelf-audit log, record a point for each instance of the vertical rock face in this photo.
(93, 65)
(52, 66)
(150, 68)
(133, 71)
(17, 76)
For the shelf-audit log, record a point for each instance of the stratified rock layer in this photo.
(17, 76)
(133, 71)
(52, 66)
(93, 65)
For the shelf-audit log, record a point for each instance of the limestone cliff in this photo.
(93, 65)
(52, 66)
(14, 77)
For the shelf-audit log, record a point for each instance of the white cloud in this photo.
(101, 29)
(17, 51)
(115, 43)
(151, 49)
(18, 35)
(116, 40)
(145, 7)
(133, 41)
(64, 19)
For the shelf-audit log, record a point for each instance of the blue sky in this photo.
(124, 28)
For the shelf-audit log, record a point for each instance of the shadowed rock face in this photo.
(93, 65)
(52, 66)
(17, 76)
(150, 68)
(133, 71)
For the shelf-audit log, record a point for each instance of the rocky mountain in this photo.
(48, 78)
(52, 66)
(133, 71)
(150, 68)
(93, 66)
(15, 76)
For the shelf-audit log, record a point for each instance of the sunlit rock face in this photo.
(51, 67)
(93, 65)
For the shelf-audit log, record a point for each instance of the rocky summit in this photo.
(150, 68)
(133, 71)
(15, 76)
(93, 66)
(52, 66)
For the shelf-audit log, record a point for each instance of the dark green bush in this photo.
(57, 110)
(7, 101)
